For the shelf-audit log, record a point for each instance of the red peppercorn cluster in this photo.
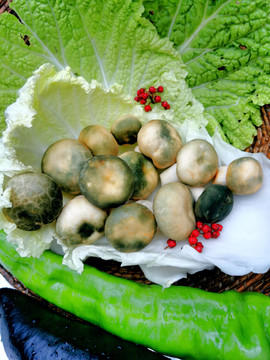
(171, 244)
(147, 97)
(207, 232)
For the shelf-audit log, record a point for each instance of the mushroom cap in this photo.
(99, 140)
(159, 141)
(197, 163)
(36, 200)
(125, 129)
(130, 227)
(80, 222)
(144, 173)
(173, 210)
(63, 161)
(244, 176)
(106, 181)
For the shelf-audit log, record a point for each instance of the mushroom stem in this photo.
(220, 177)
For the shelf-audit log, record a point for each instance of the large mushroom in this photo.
(159, 141)
(197, 163)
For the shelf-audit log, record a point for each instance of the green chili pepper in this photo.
(179, 321)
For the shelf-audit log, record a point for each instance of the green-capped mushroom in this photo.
(80, 222)
(36, 200)
(159, 141)
(99, 140)
(214, 204)
(106, 181)
(197, 163)
(63, 161)
(125, 129)
(144, 173)
(244, 176)
(130, 227)
(173, 210)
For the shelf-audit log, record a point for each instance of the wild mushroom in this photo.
(144, 173)
(173, 210)
(244, 176)
(159, 141)
(214, 204)
(197, 163)
(63, 161)
(36, 200)
(130, 227)
(80, 222)
(125, 129)
(106, 181)
(99, 140)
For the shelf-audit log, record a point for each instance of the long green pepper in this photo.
(179, 321)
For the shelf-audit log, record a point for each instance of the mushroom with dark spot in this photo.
(80, 222)
(36, 200)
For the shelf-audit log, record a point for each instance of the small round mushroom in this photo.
(36, 200)
(173, 210)
(197, 163)
(99, 140)
(159, 141)
(125, 129)
(244, 176)
(106, 181)
(214, 204)
(80, 222)
(144, 173)
(130, 227)
(63, 161)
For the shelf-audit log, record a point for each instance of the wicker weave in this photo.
(262, 140)
(4, 6)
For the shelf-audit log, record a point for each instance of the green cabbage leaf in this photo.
(225, 45)
(108, 41)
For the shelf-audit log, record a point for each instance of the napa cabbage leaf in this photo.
(225, 45)
(108, 41)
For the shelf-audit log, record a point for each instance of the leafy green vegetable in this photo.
(107, 41)
(225, 45)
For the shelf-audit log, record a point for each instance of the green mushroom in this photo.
(63, 161)
(159, 141)
(99, 140)
(80, 222)
(36, 200)
(244, 176)
(145, 174)
(125, 129)
(214, 204)
(106, 181)
(130, 227)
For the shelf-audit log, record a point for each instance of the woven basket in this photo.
(209, 280)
